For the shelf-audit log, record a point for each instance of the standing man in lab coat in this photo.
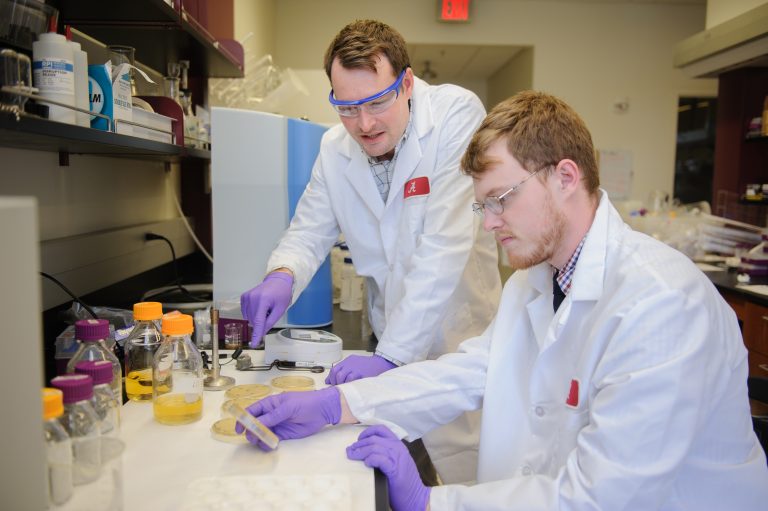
(388, 178)
(612, 378)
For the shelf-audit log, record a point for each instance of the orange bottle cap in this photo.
(53, 403)
(147, 311)
(178, 324)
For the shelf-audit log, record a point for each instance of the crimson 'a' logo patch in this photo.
(416, 186)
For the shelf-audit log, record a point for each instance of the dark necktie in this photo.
(557, 293)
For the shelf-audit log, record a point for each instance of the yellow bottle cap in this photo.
(53, 403)
(178, 324)
(147, 311)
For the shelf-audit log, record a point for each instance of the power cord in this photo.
(149, 236)
(70, 293)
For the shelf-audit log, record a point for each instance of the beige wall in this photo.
(719, 11)
(515, 76)
(590, 54)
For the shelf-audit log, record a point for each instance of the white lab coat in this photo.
(431, 270)
(659, 418)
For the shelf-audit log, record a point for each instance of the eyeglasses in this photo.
(496, 204)
(375, 104)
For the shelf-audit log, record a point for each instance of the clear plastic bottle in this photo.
(81, 422)
(92, 335)
(177, 385)
(140, 348)
(58, 448)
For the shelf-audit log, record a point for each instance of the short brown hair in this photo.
(540, 130)
(359, 44)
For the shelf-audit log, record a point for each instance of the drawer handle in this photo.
(765, 318)
(764, 367)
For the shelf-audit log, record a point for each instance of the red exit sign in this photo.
(454, 10)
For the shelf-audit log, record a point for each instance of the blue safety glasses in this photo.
(375, 104)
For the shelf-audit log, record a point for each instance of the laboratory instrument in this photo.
(92, 335)
(140, 348)
(244, 363)
(177, 384)
(81, 422)
(58, 448)
(104, 401)
(253, 425)
(308, 347)
(216, 381)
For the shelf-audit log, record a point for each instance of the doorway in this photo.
(694, 156)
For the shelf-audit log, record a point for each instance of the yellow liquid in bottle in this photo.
(138, 385)
(174, 409)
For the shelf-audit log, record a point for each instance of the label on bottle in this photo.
(186, 383)
(54, 75)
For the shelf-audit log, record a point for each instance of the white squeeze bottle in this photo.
(53, 71)
(82, 99)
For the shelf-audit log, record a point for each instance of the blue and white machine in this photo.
(260, 165)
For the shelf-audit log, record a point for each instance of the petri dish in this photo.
(243, 402)
(224, 431)
(253, 391)
(253, 425)
(293, 383)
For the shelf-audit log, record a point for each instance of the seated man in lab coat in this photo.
(612, 378)
(388, 178)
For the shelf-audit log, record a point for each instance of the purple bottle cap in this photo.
(99, 370)
(75, 387)
(91, 329)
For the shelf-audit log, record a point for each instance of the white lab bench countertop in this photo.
(160, 461)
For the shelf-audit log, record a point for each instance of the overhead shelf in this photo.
(159, 32)
(43, 135)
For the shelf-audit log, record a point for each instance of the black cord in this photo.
(70, 293)
(177, 281)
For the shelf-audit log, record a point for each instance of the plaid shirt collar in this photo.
(565, 276)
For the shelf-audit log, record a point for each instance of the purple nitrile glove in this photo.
(355, 367)
(293, 415)
(263, 305)
(378, 447)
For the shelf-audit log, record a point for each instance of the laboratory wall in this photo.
(592, 54)
(92, 216)
(719, 11)
(515, 75)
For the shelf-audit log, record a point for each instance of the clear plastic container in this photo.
(140, 348)
(92, 335)
(81, 422)
(104, 401)
(58, 448)
(177, 386)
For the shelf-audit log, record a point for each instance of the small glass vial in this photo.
(81, 422)
(92, 335)
(58, 448)
(104, 401)
(177, 385)
(140, 348)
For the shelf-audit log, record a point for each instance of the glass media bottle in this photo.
(104, 401)
(82, 424)
(92, 335)
(140, 348)
(177, 385)
(58, 448)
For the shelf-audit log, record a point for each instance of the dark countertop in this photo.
(726, 281)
